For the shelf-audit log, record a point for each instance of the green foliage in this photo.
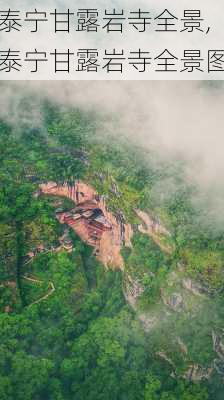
(82, 341)
(149, 265)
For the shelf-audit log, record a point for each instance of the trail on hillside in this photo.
(50, 292)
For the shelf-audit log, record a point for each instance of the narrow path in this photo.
(34, 280)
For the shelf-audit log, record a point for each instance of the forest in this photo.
(68, 331)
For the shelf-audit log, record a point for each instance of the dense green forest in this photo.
(84, 341)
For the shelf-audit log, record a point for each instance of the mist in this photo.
(181, 119)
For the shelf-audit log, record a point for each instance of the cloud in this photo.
(182, 120)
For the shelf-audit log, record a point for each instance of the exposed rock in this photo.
(163, 355)
(181, 267)
(114, 190)
(107, 233)
(198, 289)
(192, 286)
(154, 229)
(219, 366)
(147, 322)
(197, 373)
(152, 224)
(93, 222)
(100, 176)
(132, 290)
(218, 345)
(182, 345)
(175, 302)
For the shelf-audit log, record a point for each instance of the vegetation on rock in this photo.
(84, 341)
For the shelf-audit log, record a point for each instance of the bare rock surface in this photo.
(97, 226)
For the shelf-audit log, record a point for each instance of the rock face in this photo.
(132, 291)
(197, 373)
(163, 355)
(154, 229)
(198, 289)
(174, 302)
(97, 226)
(93, 222)
(192, 286)
(218, 347)
(182, 346)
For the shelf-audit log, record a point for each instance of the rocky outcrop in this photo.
(219, 366)
(79, 192)
(93, 222)
(218, 347)
(174, 301)
(192, 286)
(153, 228)
(107, 232)
(197, 373)
(148, 322)
(132, 290)
(164, 356)
(199, 289)
(182, 346)
(218, 344)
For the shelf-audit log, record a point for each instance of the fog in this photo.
(179, 119)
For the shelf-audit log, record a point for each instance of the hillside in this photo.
(111, 282)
